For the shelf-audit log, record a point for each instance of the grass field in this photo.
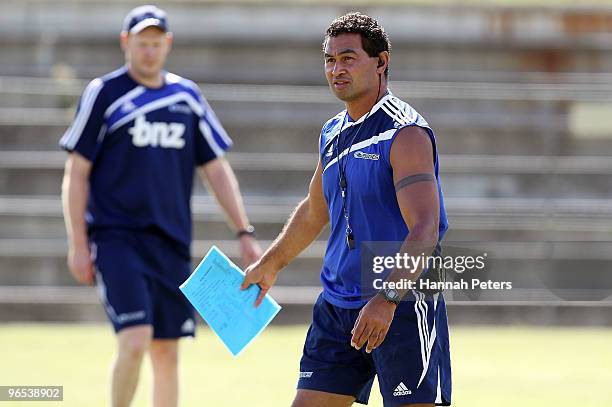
(491, 366)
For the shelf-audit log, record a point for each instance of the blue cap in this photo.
(143, 17)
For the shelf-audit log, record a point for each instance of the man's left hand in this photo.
(373, 323)
(249, 250)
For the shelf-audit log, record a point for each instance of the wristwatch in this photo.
(250, 230)
(391, 295)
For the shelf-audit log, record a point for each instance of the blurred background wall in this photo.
(520, 98)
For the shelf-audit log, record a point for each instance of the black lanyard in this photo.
(342, 179)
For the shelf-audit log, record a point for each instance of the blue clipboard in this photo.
(214, 291)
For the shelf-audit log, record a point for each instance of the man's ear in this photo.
(123, 39)
(169, 39)
(383, 62)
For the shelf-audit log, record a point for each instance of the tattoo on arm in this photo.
(413, 179)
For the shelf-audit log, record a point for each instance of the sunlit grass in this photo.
(494, 366)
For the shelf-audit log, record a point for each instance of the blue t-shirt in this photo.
(374, 213)
(144, 144)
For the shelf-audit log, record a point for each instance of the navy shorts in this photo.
(138, 276)
(412, 363)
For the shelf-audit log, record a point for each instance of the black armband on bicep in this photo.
(413, 179)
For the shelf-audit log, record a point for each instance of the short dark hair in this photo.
(374, 39)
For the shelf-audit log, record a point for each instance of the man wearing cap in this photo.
(138, 135)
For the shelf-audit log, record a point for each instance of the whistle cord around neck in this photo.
(342, 165)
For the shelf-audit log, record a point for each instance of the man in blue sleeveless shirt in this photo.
(138, 135)
(376, 181)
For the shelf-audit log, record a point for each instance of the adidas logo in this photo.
(188, 326)
(401, 390)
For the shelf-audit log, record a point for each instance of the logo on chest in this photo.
(157, 134)
(177, 108)
(128, 107)
(365, 156)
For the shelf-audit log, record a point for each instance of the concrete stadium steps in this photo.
(463, 128)
(472, 117)
(40, 172)
(497, 84)
(16, 100)
(537, 269)
(519, 226)
(485, 313)
(529, 223)
(41, 262)
(518, 118)
(78, 303)
(23, 267)
(27, 182)
(452, 85)
(212, 40)
(453, 89)
(40, 216)
(274, 61)
(454, 139)
(299, 162)
(492, 140)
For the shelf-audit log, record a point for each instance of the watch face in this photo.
(392, 294)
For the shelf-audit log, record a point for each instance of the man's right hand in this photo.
(261, 274)
(80, 265)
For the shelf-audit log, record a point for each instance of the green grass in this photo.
(491, 366)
